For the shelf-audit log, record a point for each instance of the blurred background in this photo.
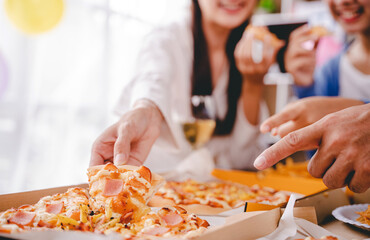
(59, 82)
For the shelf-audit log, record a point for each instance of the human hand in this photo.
(129, 140)
(255, 52)
(300, 56)
(343, 142)
(304, 112)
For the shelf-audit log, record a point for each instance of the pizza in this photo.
(319, 31)
(289, 168)
(66, 211)
(116, 202)
(364, 216)
(322, 238)
(121, 192)
(214, 197)
(261, 33)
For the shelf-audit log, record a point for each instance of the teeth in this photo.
(349, 14)
(231, 6)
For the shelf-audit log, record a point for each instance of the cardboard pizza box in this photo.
(14, 200)
(314, 191)
(304, 186)
(253, 225)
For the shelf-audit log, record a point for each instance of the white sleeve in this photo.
(243, 145)
(151, 80)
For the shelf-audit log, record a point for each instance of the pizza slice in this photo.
(120, 194)
(322, 238)
(261, 33)
(319, 31)
(119, 197)
(166, 222)
(66, 211)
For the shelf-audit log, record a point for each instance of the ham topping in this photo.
(22, 218)
(55, 208)
(112, 187)
(172, 219)
(157, 231)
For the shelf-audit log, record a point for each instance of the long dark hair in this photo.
(202, 79)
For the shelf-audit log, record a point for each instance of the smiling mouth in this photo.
(231, 6)
(351, 15)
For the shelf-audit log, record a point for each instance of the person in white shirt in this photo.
(209, 55)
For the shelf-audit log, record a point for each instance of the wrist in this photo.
(252, 86)
(151, 108)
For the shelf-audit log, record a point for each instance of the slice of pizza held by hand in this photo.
(118, 199)
(122, 192)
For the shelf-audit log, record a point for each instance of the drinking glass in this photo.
(199, 128)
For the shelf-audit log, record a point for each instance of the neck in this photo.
(216, 36)
(364, 40)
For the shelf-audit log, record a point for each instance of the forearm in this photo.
(251, 97)
(154, 113)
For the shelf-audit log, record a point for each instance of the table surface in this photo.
(345, 230)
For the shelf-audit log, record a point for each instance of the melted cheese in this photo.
(11, 227)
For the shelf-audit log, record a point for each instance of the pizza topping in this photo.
(202, 223)
(8, 228)
(136, 185)
(322, 238)
(55, 208)
(127, 217)
(110, 167)
(112, 187)
(156, 231)
(180, 209)
(74, 214)
(42, 223)
(145, 173)
(66, 221)
(22, 218)
(172, 219)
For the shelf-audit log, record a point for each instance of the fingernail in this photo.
(308, 45)
(120, 159)
(274, 131)
(260, 162)
(265, 128)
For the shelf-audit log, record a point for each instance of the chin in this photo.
(356, 28)
(231, 22)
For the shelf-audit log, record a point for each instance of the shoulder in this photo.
(178, 30)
